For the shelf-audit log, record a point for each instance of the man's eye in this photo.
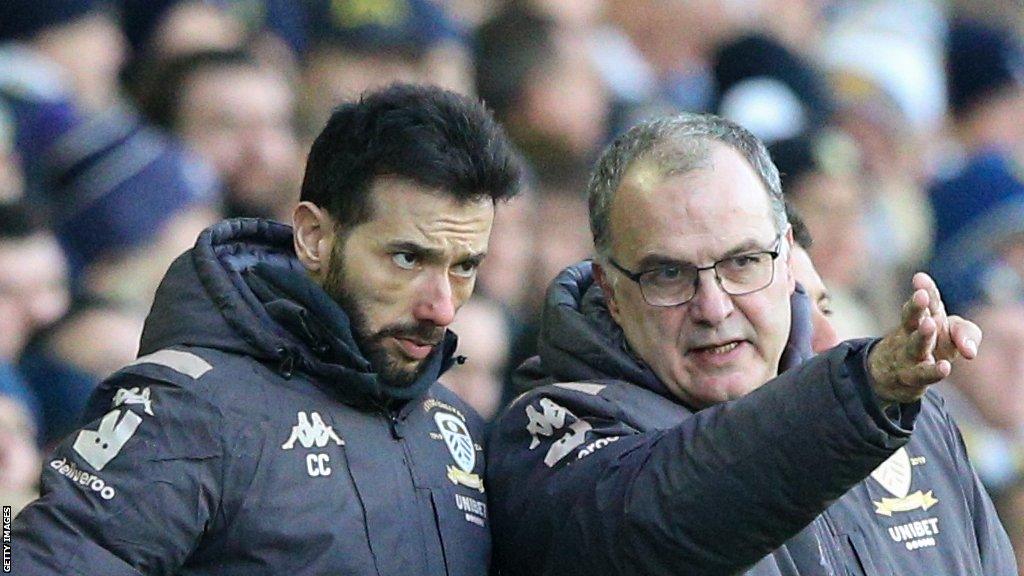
(744, 261)
(404, 260)
(825, 308)
(666, 275)
(465, 269)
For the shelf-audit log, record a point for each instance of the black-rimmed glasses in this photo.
(676, 284)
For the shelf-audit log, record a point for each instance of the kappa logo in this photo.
(551, 419)
(133, 396)
(894, 475)
(99, 447)
(460, 446)
(311, 432)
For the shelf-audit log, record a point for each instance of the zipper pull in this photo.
(287, 364)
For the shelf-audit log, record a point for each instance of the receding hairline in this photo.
(674, 145)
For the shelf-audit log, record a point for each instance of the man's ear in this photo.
(607, 286)
(790, 276)
(313, 236)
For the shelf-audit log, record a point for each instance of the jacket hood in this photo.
(579, 340)
(242, 290)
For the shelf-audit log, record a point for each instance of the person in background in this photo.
(820, 177)
(239, 116)
(65, 361)
(823, 333)
(543, 87)
(108, 180)
(354, 46)
(33, 293)
(79, 38)
(484, 340)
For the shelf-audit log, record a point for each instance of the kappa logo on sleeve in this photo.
(550, 419)
(133, 396)
(99, 447)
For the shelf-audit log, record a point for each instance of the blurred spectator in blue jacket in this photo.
(238, 115)
(80, 38)
(33, 293)
(112, 183)
(64, 361)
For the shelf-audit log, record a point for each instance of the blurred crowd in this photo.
(128, 126)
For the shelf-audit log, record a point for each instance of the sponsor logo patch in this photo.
(916, 535)
(82, 479)
(99, 447)
(474, 510)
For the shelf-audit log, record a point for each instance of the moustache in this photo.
(426, 334)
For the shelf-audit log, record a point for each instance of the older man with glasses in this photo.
(657, 439)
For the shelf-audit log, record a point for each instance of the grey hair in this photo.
(675, 145)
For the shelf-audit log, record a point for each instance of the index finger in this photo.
(922, 281)
(914, 310)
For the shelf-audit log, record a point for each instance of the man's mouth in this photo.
(415, 347)
(718, 352)
(722, 349)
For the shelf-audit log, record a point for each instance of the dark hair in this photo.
(160, 95)
(20, 220)
(801, 233)
(507, 49)
(424, 134)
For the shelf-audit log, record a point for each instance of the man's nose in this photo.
(435, 302)
(825, 336)
(710, 303)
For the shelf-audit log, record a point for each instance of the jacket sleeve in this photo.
(997, 557)
(129, 493)
(576, 489)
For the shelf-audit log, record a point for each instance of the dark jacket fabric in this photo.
(600, 470)
(252, 437)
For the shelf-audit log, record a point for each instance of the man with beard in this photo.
(284, 415)
(657, 439)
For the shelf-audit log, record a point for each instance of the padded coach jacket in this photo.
(599, 470)
(251, 437)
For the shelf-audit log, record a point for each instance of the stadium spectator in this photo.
(355, 46)
(979, 203)
(239, 116)
(79, 37)
(543, 87)
(33, 293)
(483, 332)
(821, 180)
(64, 362)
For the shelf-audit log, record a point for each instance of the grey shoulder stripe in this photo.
(186, 363)
(592, 389)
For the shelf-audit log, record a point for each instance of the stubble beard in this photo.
(390, 369)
